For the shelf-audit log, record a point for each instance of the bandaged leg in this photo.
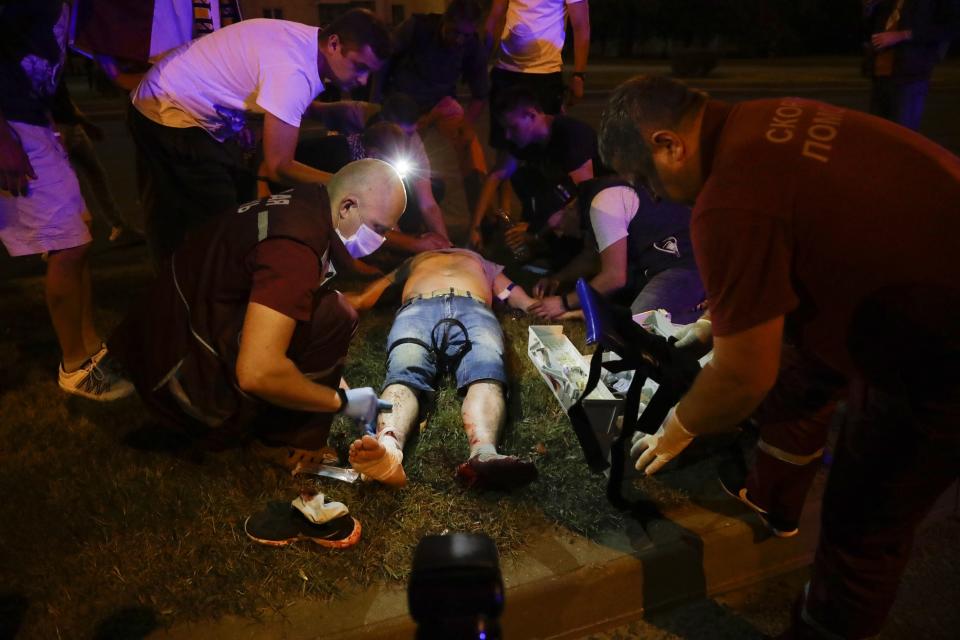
(381, 458)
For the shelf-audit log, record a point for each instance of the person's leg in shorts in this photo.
(678, 291)
(52, 218)
(411, 369)
(482, 378)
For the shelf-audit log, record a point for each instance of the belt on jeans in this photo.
(438, 293)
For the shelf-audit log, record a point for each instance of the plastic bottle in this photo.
(521, 253)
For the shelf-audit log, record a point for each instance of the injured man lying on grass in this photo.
(445, 324)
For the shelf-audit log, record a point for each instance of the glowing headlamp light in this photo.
(403, 166)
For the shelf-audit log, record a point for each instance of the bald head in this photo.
(371, 187)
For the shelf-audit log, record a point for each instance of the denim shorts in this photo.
(415, 366)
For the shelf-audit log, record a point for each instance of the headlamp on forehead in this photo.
(403, 166)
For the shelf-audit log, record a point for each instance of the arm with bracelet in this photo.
(511, 293)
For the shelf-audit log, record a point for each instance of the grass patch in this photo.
(95, 526)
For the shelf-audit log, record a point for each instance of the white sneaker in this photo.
(97, 379)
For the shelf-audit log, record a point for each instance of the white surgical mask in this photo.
(362, 243)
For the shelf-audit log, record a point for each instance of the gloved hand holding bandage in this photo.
(660, 448)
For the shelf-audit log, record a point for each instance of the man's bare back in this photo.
(441, 270)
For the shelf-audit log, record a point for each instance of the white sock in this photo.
(317, 510)
(485, 451)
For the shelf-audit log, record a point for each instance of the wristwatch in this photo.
(580, 74)
(343, 399)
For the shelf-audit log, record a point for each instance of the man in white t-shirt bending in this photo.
(199, 113)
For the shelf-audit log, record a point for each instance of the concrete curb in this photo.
(564, 586)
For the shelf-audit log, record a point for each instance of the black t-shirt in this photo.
(425, 68)
(329, 153)
(570, 145)
(33, 36)
(542, 181)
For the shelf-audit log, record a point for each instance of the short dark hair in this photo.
(385, 136)
(517, 97)
(643, 102)
(463, 11)
(400, 108)
(357, 28)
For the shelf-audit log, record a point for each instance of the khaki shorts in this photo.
(52, 216)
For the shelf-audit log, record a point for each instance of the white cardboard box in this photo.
(565, 370)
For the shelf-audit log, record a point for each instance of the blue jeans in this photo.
(416, 366)
(899, 101)
(678, 291)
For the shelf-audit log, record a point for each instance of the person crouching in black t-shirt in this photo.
(547, 158)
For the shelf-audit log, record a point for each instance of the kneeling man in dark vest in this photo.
(241, 335)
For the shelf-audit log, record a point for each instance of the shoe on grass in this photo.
(733, 480)
(99, 378)
(281, 524)
(498, 473)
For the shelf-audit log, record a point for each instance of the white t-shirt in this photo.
(611, 212)
(255, 66)
(533, 36)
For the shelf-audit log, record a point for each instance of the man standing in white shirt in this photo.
(196, 116)
(528, 53)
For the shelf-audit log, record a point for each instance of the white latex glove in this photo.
(694, 334)
(361, 405)
(660, 448)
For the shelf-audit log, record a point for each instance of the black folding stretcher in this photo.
(612, 329)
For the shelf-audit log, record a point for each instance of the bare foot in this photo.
(379, 461)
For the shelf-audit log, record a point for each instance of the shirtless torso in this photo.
(437, 270)
(442, 270)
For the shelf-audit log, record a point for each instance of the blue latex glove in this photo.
(363, 406)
